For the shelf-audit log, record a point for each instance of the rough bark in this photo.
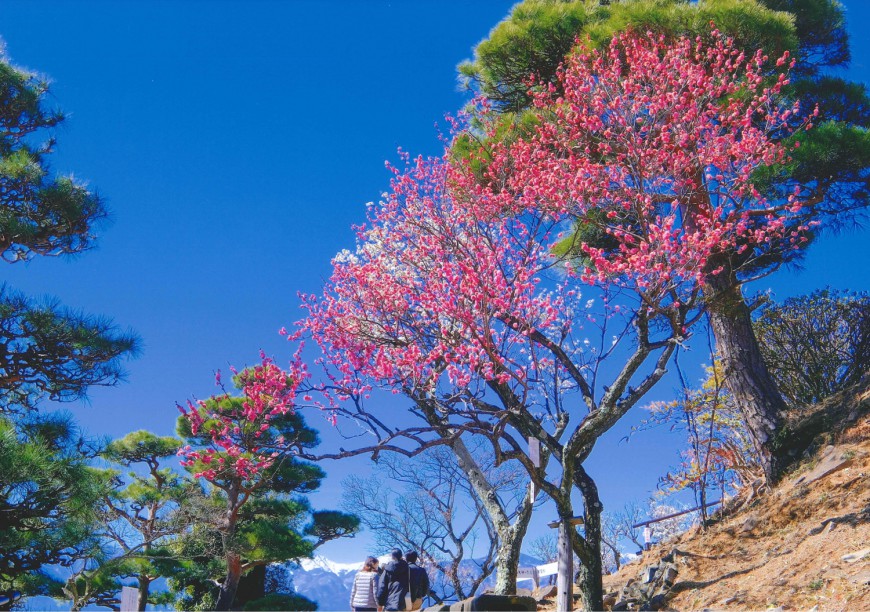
(510, 535)
(506, 564)
(231, 582)
(746, 374)
(588, 549)
(230, 585)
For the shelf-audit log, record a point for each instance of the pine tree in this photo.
(49, 499)
(45, 350)
(141, 513)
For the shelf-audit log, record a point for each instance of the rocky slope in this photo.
(803, 545)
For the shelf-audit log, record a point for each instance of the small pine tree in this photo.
(251, 510)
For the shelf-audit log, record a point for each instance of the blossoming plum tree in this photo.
(457, 298)
(832, 165)
(662, 151)
(472, 317)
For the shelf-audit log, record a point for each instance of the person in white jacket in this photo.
(365, 583)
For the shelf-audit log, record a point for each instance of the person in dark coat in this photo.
(393, 584)
(419, 581)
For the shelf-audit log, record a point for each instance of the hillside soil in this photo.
(804, 544)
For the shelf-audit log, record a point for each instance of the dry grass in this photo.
(787, 546)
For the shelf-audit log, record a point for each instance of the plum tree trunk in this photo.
(746, 374)
(506, 564)
(510, 535)
(588, 549)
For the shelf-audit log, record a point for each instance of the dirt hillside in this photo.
(803, 545)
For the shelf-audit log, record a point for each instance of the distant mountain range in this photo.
(329, 583)
(324, 581)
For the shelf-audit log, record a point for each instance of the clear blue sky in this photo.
(236, 143)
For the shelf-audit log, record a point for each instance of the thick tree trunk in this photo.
(252, 586)
(506, 563)
(589, 574)
(510, 535)
(746, 373)
(231, 583)
(144, 587)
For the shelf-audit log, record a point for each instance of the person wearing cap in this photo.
(394, 582)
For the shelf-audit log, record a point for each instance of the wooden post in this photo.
(565, 563)
(565, 576)
(535, 456)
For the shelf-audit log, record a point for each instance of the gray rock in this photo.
(487, 603)
(544, 592)
(657, 602)
(856, 556)
(749, 524)
(736, 598)
(828, 464)
(651, 589)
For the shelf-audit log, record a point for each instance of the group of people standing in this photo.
(400, 584)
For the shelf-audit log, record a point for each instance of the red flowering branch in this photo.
(236, 433)
(664, 139)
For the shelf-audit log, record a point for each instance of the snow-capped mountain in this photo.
(329, 583)
(319, 579)
(325, 564)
